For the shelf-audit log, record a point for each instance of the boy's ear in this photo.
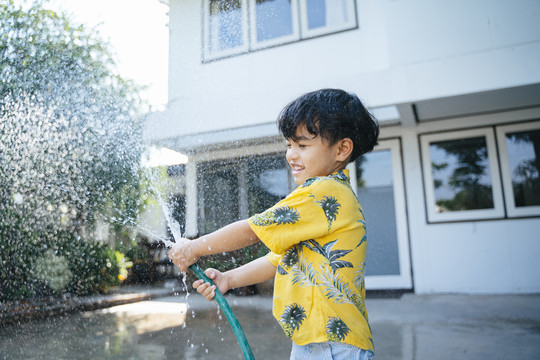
(345, 149)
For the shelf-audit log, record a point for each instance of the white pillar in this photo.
(191, 199)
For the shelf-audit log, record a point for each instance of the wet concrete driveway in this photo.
(413, 327)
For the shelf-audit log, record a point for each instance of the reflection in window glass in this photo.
(268, 182)
(374, 169)
(225, 25)
(461, 175)
(331, 13)
(376, 195)
(177, 205)
(523, 155)
(218, 196)
(232, 189)
(274, 19)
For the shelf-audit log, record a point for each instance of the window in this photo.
(234, 27)
(218, 196)
(520, 165)
(324, 16)
(380, 189)
(234, 189)
(461, 176)
(226, 32)
(273, 22)
(268, 181)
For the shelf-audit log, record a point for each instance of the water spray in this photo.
(218, 297)
(225, 307)
(233, 321)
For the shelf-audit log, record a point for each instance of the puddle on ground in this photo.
(169, 329)
(145, 330)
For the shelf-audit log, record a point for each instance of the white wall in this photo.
(489, 256)
(479, 257)
(403, 50)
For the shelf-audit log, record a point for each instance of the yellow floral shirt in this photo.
(317, 238)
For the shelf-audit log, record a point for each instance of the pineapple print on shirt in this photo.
(318, 241)
(280, 215)
(330, 206)
(292, 318)
(336, 329)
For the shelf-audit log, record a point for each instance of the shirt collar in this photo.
(340, 175)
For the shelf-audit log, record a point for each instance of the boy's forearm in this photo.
(231, 237)
(255, 272)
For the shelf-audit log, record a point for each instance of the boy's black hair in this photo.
(334, 115)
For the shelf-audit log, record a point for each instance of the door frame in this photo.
(404, 279)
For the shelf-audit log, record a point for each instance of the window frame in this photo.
(229, 156)
(249, 33)
(403, 280)
(256, 45)
(498, 210)
(506, 172)
(325, 30)
(207, 53)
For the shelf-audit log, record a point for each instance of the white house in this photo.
(451, 193)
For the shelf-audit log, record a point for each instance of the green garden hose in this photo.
(220, 299)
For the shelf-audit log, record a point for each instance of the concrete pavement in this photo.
(438, 327)
(411, 327)
(418, 327)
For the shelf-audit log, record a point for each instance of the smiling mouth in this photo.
(296, 168)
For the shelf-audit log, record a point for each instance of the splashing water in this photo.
(66, 185)
(158, 187)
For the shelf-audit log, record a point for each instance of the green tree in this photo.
(526, 175)
(466, 178)
(70, 130)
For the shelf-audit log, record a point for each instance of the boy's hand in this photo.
(182, 254)
(209, 291)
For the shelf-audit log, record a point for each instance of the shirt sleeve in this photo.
(296, 218)
(273, 258)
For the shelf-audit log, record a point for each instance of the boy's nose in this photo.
(291, 154)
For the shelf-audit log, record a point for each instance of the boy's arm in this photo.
(231, 237)
(255, 272)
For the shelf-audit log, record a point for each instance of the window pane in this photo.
(461, 175)
(236, 188)
(218, 196)
(177, 204)
(321, 13)
(268, 182)
(523, 155)
(273, 18)
(225, 25)
(376, 195)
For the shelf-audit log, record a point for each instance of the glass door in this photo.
(380, 189)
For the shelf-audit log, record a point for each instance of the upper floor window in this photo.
(224, 24)
(237, 26)
(273, 22)
(324, 16)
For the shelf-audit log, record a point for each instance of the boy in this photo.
(316, 234)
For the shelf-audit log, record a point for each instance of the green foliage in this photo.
(30, 263)
(466, 178)
(69, 156)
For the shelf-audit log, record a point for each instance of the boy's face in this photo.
(311, 156)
